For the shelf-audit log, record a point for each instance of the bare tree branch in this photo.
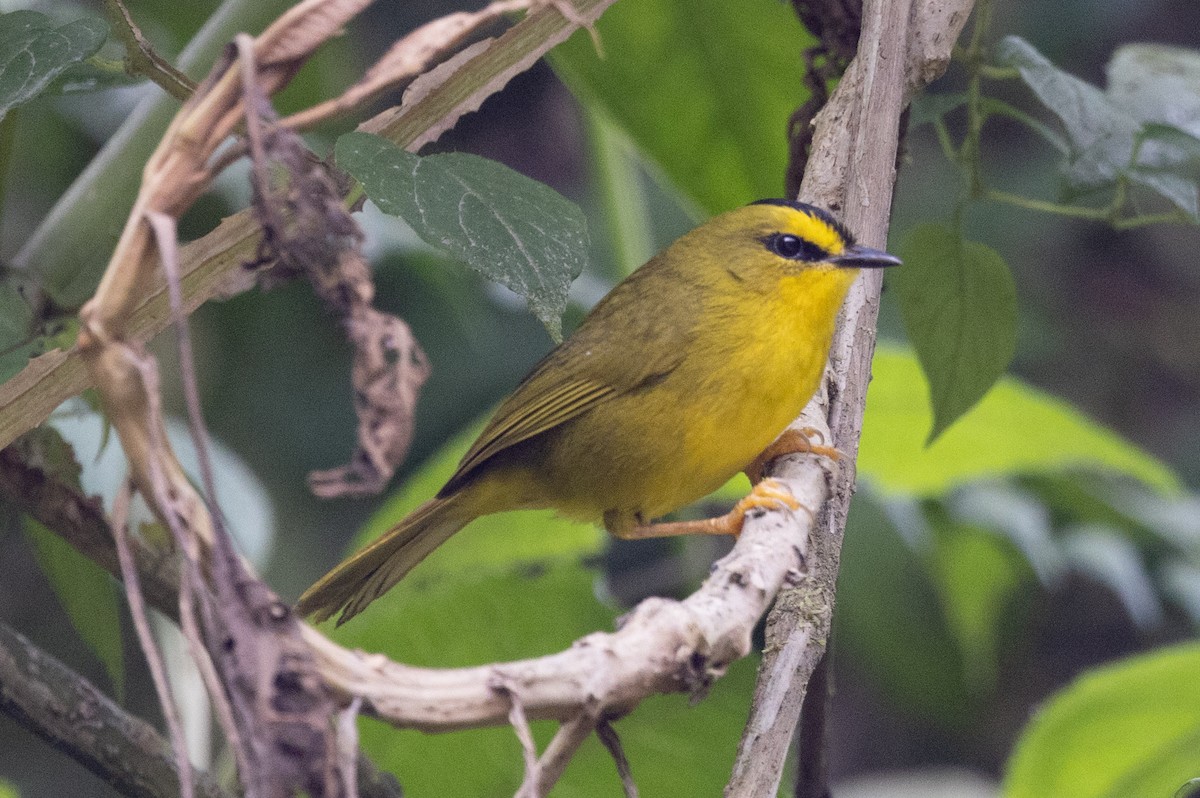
(49, 699)
(608, 736)
(904, 44)
(141, 624)
(140, 56)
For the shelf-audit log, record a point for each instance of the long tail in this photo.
(371, 572)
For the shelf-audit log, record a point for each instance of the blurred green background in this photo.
(959, 610)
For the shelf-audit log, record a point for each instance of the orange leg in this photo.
(792, 441)
(766, 494)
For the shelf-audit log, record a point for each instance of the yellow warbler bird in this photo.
(681, 377)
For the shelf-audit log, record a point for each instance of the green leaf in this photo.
(1109, 557)
(33, 52)
(1101, 134)
(877, 566)
(1160, 87)
(88, 595)
(1015, 429)
(960, 308)
(1017, 514)
(713, 115)
(977, 576)
(1128, 729)
(1157, 83)
(507, 227)
(1168, 147)
(1104, 129)
(7, 790)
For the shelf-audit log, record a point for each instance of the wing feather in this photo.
(569, 381)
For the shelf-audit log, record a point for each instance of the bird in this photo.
(683, 375)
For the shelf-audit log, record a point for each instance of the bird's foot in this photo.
(792, 441)
(767, 494)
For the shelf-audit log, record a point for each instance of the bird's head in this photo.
(806, 235)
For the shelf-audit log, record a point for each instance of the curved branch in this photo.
(663, 645)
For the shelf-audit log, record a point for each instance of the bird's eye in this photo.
(786, 245)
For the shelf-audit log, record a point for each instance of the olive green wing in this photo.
(534, 408)
(609, 355)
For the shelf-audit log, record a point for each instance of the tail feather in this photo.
(371, 572)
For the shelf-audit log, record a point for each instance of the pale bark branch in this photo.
(904, 44)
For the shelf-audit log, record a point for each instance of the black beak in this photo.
(860, 257)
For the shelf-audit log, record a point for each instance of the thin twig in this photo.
(190, 578)
(520, 725)
(141, 624)
(140, 56)
(570, 735)
(608, 736)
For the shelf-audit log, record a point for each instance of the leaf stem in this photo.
(970, 152)
(943, 135)
(140, 56)
(993, 72)
(994, 107)
(1168, 217)
(1075, 211)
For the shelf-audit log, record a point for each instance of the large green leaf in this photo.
(1101, 135)
(1157, 83)
(87, 593)
(704, 87)
(1125, 730)
(1160, 87)
(1104, 129)
(1015, 429)
(977, 575)
(33, 52)
(509, 228)
(879, 631)
(960, 308)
